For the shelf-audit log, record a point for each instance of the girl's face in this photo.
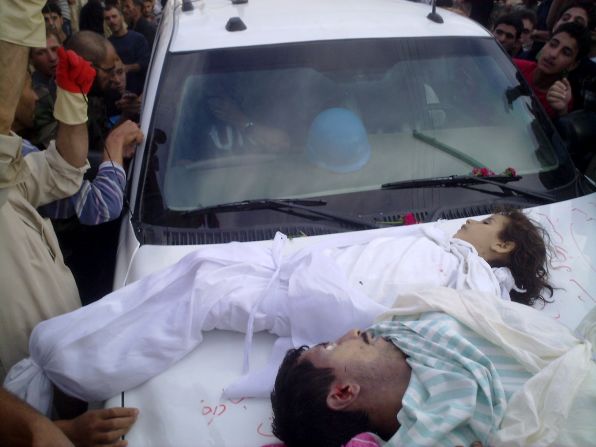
(558, 55)
(483, 235)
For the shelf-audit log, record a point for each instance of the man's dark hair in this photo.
(110, 6)
(581, 36)
(51, 7)
(513, 20)
(139, 3)
(586, 5)
(88, 45)
(527, 14)
(301, 416)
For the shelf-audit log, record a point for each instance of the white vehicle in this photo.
(317, 117)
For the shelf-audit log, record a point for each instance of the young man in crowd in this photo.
(52, 15)
(524, 45)
(44, 61)
(562, 54)
(132, 49)
(508, 30)
(133, 12)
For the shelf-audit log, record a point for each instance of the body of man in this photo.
(44, 61)
(52, 15)
(563, 53)
(468, 372)
(132, 49)
(36, 283)
(133, 12)
(524, 45)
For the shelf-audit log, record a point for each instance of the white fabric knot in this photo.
(27, 380)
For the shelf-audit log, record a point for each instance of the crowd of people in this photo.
(80, 75)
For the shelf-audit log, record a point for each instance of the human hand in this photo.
(121, 142)
(96, 428)
(559, 96)
(74, 77)
(73, 73)
(226, 110)
(129, 104)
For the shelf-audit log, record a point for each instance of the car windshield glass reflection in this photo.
(324, 118)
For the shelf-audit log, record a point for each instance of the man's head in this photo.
(325, 395)
(52, 16)
(118, 81)
(528, 18)
(148, 9)
(569, 44)
(507, 30)
(577, 11)
(99, 51)
(114, 20)
(133, 10)
(44, 60)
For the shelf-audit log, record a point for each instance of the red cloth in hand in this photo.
(73, 73)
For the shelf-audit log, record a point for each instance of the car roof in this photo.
(281, 21)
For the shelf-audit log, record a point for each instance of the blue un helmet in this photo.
(337, 141)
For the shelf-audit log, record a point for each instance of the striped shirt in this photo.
(96, 202)
(460, 382)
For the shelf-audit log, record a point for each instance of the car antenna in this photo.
(433, 14)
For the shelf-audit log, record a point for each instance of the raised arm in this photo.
(21, 27)
(74, 77)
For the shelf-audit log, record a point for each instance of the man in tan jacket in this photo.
(35, 283)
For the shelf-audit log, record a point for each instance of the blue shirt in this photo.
(96, 202)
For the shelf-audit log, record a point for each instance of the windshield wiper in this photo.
(284, 205)
(466, 180)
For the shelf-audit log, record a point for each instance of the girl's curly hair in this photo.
(529, 260)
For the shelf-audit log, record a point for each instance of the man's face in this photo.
(559, 54)
(45, 59)
(576, 15)
(526, 35)
(356, 355)
(130, 10)
(53, 20)
(118, 81)
(506, 35)
(113, 19)
(483, 234)
(106, 70)
(148, 9)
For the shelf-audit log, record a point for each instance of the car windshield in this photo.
(327, 118)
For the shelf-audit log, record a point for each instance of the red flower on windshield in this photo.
(482, 172)
(410, 219)
(485, 172)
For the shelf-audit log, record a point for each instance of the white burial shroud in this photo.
(313, 295)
